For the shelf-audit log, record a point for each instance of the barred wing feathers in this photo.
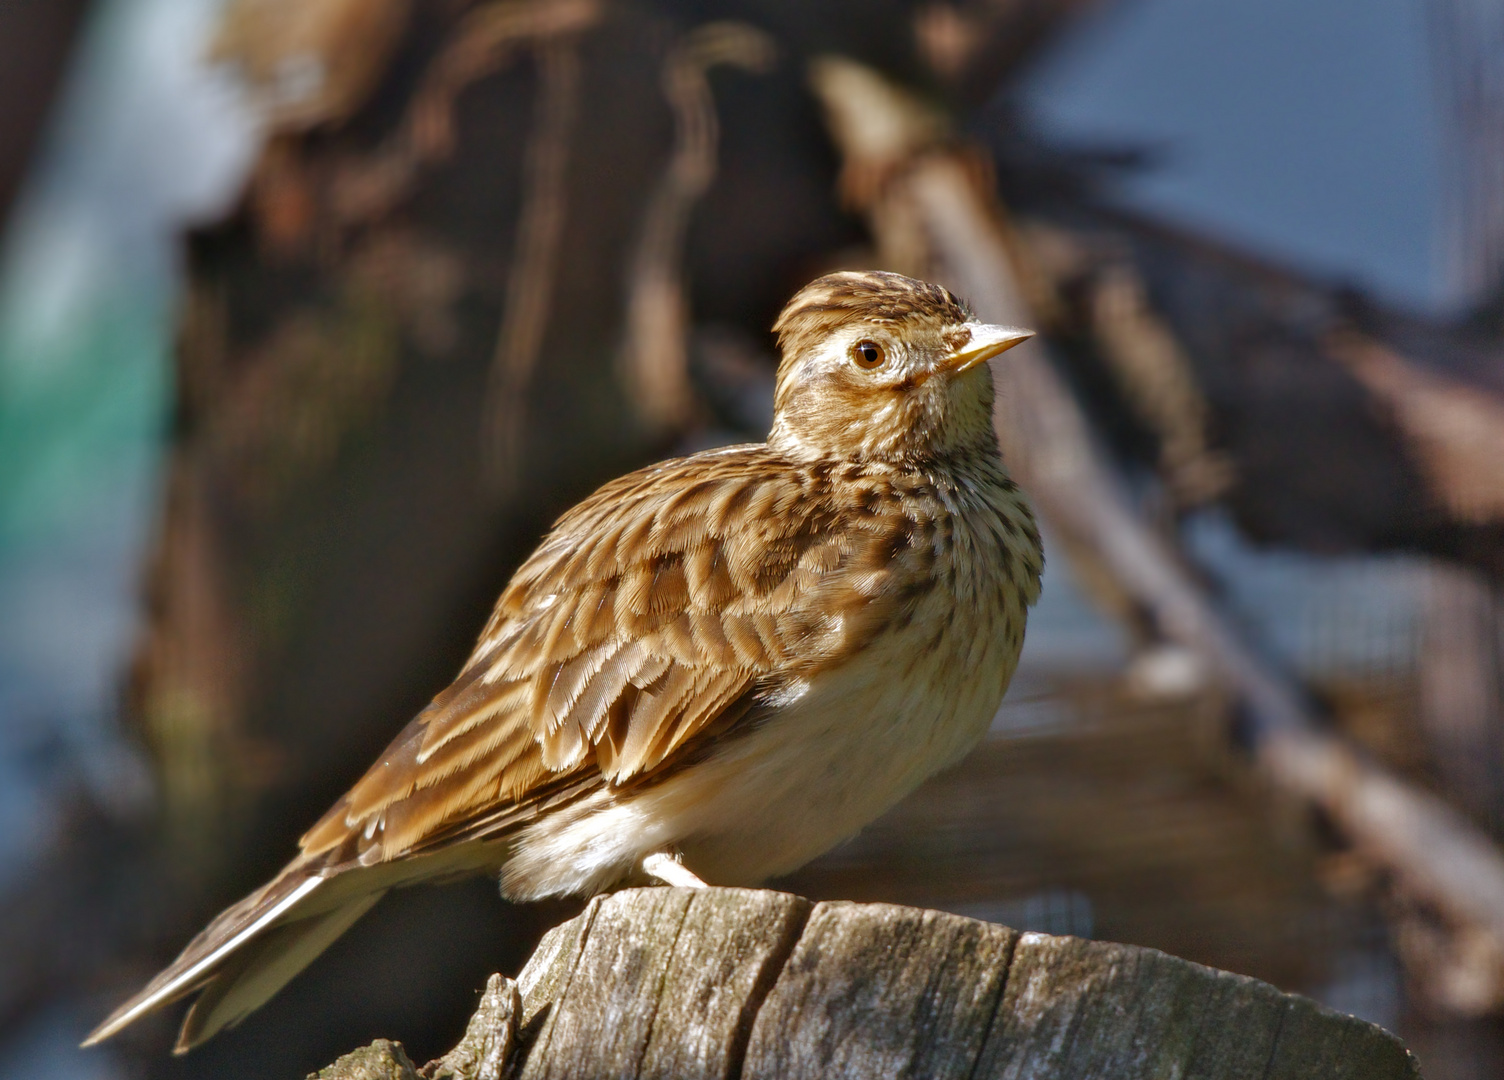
(658, 608)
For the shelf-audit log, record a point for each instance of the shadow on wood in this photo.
(685, 984)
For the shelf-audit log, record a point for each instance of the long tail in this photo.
(253, 949)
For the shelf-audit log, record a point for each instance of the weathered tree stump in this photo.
(683, 984)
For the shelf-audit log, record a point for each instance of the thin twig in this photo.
(530, 279)
(652, 361)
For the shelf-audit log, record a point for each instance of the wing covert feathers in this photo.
(664, 603)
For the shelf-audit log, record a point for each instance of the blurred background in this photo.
(315, 313)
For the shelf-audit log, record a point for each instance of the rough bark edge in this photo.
(1051, 994)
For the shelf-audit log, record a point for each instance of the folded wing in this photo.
(655, 611)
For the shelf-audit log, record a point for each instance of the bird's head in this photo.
(878, 366)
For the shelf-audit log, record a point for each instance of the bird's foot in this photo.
(669, 870)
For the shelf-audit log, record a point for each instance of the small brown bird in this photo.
(737, 659)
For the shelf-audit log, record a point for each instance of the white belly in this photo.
(850, 744)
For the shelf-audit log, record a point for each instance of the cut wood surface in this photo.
(682, 984)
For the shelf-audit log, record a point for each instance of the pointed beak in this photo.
(986, 342)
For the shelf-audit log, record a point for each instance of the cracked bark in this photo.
(723, 983)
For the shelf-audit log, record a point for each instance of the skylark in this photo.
(736, 659)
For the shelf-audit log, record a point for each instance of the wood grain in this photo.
(723, 983)
(879, 990)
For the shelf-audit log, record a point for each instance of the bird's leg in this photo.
(669, 870)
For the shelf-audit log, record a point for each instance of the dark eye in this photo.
(868, 354)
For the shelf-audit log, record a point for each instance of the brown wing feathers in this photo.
(652, 608)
